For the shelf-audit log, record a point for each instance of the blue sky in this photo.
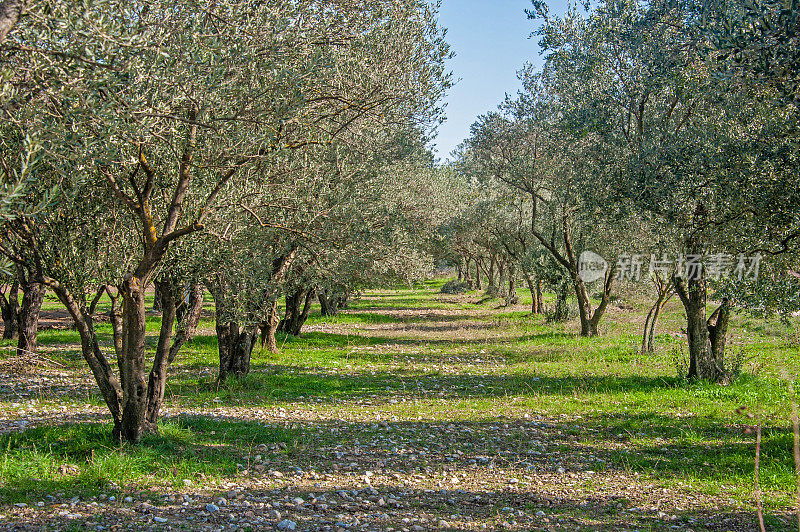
(491, 42)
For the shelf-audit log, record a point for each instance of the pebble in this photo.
(160, 520)
(287, 524)
(211, 508)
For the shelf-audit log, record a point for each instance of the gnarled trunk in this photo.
(511, 294)
(132, 359)
(706, 336)
(270, 327)
(28, 315)
(298, 306)
(235, 349)
(329, 303)
(561, 309)
(10, 308)
(590, 319)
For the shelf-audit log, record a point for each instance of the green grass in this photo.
(83, 458)
(416, 357)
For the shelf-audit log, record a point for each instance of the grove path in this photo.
(423, 433)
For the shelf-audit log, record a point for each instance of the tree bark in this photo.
(10, 12)
(561, 310)
(329, 303)
(467, 272)
(511, 295)
(590, 319)
(224, 348)
(132, 361)
(235, 349)
(10, 309)
(706, 337)
(243, 351)
(28, 315)
(272, 326)
(156, 381)
(157, 299)
(298, 306)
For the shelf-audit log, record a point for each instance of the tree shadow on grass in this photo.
(81, 458)
(286, 383)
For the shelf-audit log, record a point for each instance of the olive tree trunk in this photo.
(590, 318)
(298, 307)
(10, 308)
(665, 291)
(511, 296)
(706, 336)
(235, 349)
(28, 314)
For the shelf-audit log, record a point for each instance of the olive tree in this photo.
(678, 143)
(193, 96)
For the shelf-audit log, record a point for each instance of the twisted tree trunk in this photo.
(298, 306)
(235, 349)
(10, 12)
(706, 336)
(561, 309)
(270, 327)
(511, 295)
(28, 314)
(10, 308)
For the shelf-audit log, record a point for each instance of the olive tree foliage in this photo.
(758, 39)
(529, 154)
(183, 98)
(317, 194)
(40, 70)
(643, 80)
(338, 220)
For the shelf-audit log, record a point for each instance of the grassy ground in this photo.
(457, 412)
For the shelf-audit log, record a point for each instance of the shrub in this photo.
(454, 287)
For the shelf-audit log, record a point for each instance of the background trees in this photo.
(633, 142)
(172, 108)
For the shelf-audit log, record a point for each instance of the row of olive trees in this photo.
(654, 127)
(237, 146)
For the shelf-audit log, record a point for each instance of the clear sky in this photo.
(491, 42)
